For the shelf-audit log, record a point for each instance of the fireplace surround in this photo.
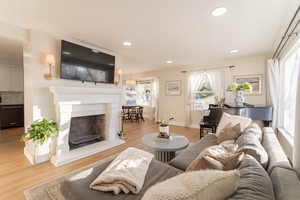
(81, 102)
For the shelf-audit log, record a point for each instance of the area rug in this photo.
(41, 191)
(51, 189)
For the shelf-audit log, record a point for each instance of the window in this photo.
(202, 93)
(130, 95)
(205, 88)
(139, 94)
(290, 71)
(144, 90)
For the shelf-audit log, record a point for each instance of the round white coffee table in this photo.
(165, 149)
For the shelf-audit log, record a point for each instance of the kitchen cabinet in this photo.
(5, 81)
(11, 116)
(11, 78)
(17, 79)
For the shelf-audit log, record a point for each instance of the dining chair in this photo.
(134, 114)
(125, 113)
(140, 113)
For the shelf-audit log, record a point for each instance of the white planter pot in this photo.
(37, 153)
(239, 98)
(165, 130)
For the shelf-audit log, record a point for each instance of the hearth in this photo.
(86, 130)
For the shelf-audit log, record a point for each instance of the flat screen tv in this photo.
(85, 64)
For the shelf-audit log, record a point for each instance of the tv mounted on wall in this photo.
(85, 64)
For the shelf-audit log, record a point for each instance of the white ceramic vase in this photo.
(165, 130)
(239, 98)
(37, 153)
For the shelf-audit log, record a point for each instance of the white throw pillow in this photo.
(204, 185)
(234, 120)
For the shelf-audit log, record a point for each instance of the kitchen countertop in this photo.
(5, 104)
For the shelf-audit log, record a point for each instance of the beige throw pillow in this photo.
(205, 162)
(204, 185)
(234, 161)
(229, 132)
(220, 153)
(234, 119)
(229, 162)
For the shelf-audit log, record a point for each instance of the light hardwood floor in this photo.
(16, 173)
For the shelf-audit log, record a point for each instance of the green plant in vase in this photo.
(38, 140)
(164, 129)
(233, 87)
(240, 90)
(41, 131)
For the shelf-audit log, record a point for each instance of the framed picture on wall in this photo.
(173, 88)
(255, 80)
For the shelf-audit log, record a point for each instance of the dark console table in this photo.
(210, 122)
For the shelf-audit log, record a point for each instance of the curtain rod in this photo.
(286, 35)
(207, 69)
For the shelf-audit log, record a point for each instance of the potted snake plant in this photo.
(38, 139)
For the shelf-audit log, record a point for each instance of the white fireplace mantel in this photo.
(84, 101)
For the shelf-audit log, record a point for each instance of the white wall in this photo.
(167, 104)
(13, 32)
(37, 44)
(11, 77)
(176, 104)
(39, 98)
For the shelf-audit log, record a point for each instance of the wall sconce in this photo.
(50, 61)
(119, 72)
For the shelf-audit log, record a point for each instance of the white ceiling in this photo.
(160, 30)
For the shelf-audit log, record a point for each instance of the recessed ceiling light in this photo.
(219, 11)
(234, 51)
(127, 44)
(169, 61)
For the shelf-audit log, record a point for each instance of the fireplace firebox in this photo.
(86, 130)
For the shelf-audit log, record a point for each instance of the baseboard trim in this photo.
(197, 126)
(174, 123)
(148, 117)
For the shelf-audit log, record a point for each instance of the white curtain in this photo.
(275, 92)
(229, 97)
(155, 98)
(196, 80)
(296, 151)
(218, 83)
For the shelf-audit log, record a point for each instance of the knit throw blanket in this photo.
(125, 174)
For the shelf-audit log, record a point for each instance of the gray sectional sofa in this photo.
(277, 181)
(285, 181)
